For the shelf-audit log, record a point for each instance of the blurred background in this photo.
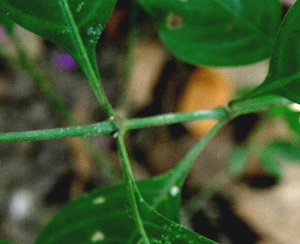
(245, 186)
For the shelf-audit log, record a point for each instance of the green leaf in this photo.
(104, 214)
(161, 230)
(73, 25)
(4, 242)
(284, 73)
(7, 23)
(217, 32)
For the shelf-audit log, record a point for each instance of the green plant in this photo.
(210, 32)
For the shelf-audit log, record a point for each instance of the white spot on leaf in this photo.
(174, 191)
(99, 200)
(94, 32)
(98, 236)
(295, 107)
(79, 7)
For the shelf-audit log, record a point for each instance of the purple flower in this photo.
(65, 61)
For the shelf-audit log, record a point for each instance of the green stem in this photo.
(178, 175)
(93, 77)
(258, 104)
(171, 118)
(105, 128)
(110, 127)
(182, 169)
(44, 85)
(208, 191)
(132, 189)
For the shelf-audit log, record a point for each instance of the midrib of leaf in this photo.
(248, 22)
(77, 40)
(179, 173)
(133, 193)
(93, 78)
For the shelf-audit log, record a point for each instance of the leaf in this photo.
(103, 214)
(284, 73)
(4, 242)
(73, 25)
(217, 32)
(161, 230)
(7, 23)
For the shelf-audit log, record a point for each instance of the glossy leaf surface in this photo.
(215, 32)
(73, 25)
(284, 73)
(104, 214)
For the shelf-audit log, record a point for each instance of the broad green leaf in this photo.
(73, 25)
(7, 23)
(161, 230)
(104, 215)
(284, 73)
(217, 32)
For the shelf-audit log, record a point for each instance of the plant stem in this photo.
(111, 127)
(179, 173)
(132, 189)
(258, 104)
(105, 128)
(208, 191)
(171, 118)
(182, 169)
(26, 63)
(90, 71)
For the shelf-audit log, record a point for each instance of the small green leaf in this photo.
(215, 32)
(284, 73)
(104, 215)
(73, 25)
(7, 23)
